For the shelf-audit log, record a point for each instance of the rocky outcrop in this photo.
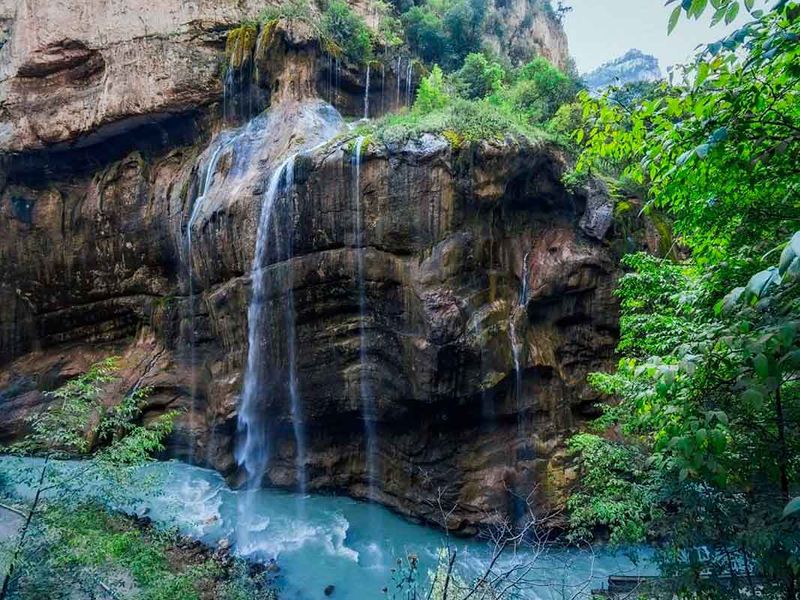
(463, 287)
(522, 29)
(632, 67)
(452, 239)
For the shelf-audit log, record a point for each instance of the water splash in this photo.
(366, 95)
(367, 408)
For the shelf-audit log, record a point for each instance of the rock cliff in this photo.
(464, 287)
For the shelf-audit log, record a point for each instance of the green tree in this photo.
(479, 77)
(540, 89)
(708, 385)
(431, 94)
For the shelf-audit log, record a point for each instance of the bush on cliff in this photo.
(348, 31)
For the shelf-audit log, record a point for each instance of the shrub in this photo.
(348, 31)
(540, 89)
(479, 77)
(431, 94)
(290, 9)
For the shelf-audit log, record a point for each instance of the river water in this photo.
(325, 539)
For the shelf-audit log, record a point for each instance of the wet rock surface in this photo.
(486, 294)
(457, 245)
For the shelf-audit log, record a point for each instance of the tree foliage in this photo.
(708, 385)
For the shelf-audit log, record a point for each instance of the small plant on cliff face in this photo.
(348, 31)
(239, 45)
(291, 9)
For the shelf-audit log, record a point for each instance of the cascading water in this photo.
(211, 169)
(409, 75)
(366, 95)
(367, 408)
(253, 450)
(516, 345)
(523, 292)
(397, 102)
(295, 402)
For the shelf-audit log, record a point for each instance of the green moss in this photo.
(266, 38)
(460, 122)
(240, 44)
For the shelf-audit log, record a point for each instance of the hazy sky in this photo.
(599, 30)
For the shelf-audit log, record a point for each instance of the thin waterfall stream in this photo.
(211, 169)
(253, 454)
(516, 343)
(366, 95)
(295, 400)
(367, 404)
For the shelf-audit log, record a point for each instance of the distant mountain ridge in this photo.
(633, 66)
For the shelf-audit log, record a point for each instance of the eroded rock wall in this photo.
(486, 285)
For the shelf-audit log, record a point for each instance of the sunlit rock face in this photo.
(522, 29)
(486, 285)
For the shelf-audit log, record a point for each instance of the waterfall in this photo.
(367, 408)
(516, 345)
(211, 169)
(516, 351)
(296, 406)
(409, 74)
(366, 96)
(523, 292)
(399, 58)
(253, 453)
(383, 89)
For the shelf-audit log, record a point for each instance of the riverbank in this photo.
(328, 542)
(88, 551)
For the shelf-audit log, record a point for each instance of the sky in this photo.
(601, 30)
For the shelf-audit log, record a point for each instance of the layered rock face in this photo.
(463, 289)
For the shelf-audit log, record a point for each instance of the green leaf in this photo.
(753, 397)
(702, 74)
(673, 19)
(787, 256)
(702, 150)
(795, 243)
(761, 365)
(791, 360)
(792, 508)
(762, 281)
(733, 11)
(719, 14)
(684, 157)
